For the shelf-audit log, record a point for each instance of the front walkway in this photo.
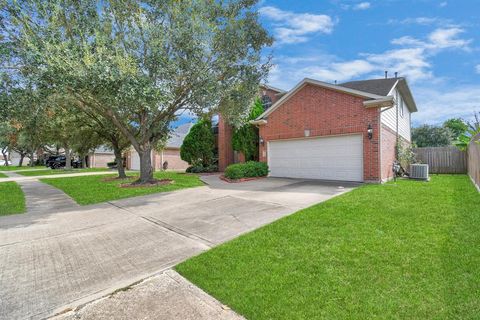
(56, 260)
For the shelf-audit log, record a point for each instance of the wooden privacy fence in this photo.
(443, 159)
(474, 161)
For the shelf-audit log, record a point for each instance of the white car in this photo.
(2, 163)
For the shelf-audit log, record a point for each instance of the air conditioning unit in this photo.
(419, 171)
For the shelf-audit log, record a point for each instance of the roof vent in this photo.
(386, 74)
(396, 75)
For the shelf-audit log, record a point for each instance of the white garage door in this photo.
(328, 158)
(135, 161)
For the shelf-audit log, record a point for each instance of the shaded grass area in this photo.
(48, 172)
(12, 199)
(2, 175)
(405, 250)
(15, 168)
(95, 189)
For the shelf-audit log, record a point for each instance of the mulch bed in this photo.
(154, 183)
(239, 180)
(110, 179)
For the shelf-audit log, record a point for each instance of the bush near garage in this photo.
(248, 169)
(202, 169)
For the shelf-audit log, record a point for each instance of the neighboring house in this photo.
(100, 157)
(320, 130)
(170, 155)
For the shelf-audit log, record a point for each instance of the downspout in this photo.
(396, 131)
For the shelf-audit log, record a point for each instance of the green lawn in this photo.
(13, 200)
(15, 168)
(2, 175)
(405, 250)
(93, 189)
(60, 171)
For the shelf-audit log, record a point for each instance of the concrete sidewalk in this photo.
(14, 176)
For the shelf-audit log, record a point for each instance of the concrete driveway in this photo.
(54, 260)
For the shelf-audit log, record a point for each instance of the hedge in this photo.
(246, 170)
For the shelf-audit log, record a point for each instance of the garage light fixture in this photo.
(370, 132)
(261, 141)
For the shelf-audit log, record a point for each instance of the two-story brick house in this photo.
(319, 130)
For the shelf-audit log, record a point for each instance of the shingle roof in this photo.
(177, 136)
(380, 87)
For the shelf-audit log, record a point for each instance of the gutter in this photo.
(258, 122)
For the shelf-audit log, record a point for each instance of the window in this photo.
(401, 107)
(266, 101)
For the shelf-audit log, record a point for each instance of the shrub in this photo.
(199, 145)
(248, 169)
(201, 169)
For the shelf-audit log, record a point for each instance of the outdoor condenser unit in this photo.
(419, 171)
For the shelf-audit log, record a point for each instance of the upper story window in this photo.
(266, 101)
(401, 107)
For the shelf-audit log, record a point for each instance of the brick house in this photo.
(319, 130)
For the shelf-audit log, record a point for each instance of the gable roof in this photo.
(266, 86)
(177, 136)
(306, 81)
(384, 87)
(381, 87)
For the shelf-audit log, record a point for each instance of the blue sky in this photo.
(435, 44)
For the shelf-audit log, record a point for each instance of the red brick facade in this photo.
(325, 112)
(226, 154)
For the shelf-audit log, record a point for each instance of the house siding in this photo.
(404, 122)
(388, 153)
(326, 112)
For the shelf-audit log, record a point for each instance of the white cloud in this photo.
(438, 103)
(424, 21)
(290, 27)
(362, 6)
(443, 4)
(477, 68)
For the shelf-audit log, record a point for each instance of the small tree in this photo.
(431, 136)
(457, 126)
(245, 138)
(199, 145)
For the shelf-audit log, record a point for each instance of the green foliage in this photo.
(94, 189)
(137, 64)
(457, 127)
(245, 138)
(405, 155)
(464, 139)
(202, 169)
(431, 136)
(248, 169)
(199, 145)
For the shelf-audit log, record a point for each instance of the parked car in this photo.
(60, 162)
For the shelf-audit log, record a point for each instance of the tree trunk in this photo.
(32, 154)
(146, 170)
(68, 159)
(4, 153)
(119, 161)
(20, 162)
(82, 158)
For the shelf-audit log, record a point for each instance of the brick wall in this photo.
(225, 131)
(388, 152)
(326, 112)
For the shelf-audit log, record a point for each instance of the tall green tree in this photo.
(457, 127)
(138, 64)
(199, 144)
(245, 138)
(431, 136)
